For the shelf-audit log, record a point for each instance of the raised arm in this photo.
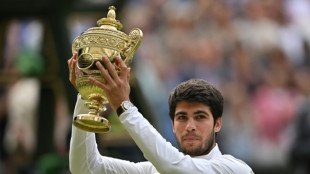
(84, 157)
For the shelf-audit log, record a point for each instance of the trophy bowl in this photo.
(104, 40)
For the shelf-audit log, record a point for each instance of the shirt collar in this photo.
(215, 152)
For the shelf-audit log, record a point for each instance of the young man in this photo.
(195, 110)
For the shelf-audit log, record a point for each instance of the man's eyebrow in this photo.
(181, 113)
(201, 112)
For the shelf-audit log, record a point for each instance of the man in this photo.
(195, 109)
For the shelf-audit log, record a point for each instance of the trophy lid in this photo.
(107, 36)
(110, 20)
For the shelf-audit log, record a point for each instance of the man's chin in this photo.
(190, 146)
(192, 150)
(192, 153)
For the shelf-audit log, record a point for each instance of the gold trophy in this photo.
(108, 40)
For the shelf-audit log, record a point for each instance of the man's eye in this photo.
(201, 117)
(181, 118)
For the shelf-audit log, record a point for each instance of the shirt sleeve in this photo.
(166, 158)
(84, 157)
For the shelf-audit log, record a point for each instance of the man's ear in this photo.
(172, 122)
(218, 124)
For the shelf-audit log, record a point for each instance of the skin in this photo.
(71, 65)
(194, 128)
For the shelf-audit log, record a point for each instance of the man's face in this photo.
(194, 128)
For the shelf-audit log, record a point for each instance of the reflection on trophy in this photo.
(108, 40)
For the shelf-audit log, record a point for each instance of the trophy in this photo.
(104, 40)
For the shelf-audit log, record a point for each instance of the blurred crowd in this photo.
(256, 51)
(34, 115)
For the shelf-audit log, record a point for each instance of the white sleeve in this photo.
(84, 157)
(166, 158)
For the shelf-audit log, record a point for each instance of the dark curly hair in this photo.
(197, 90)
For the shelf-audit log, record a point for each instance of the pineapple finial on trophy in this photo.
(111, 13)
(110, 20)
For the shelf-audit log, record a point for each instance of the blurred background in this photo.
(257, 52)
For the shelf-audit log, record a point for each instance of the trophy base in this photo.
(92, 123)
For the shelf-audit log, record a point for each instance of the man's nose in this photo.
(190, 126)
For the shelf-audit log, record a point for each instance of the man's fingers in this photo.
(74, 56)
(120, 62)
(128, 74)
(104, 73)
(96, 82)
(71, 65)
(110, 67)
(72, 61)
(123, 68)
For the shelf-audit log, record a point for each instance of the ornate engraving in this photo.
(100, 40)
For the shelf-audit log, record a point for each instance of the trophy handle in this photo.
(135, 37)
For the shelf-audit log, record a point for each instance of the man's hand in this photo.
(117, 86)
(71, 64)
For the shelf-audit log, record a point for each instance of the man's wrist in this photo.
(124, 106)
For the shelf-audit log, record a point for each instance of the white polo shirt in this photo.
(162, 157)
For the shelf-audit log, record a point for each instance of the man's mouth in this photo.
(190, 138)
